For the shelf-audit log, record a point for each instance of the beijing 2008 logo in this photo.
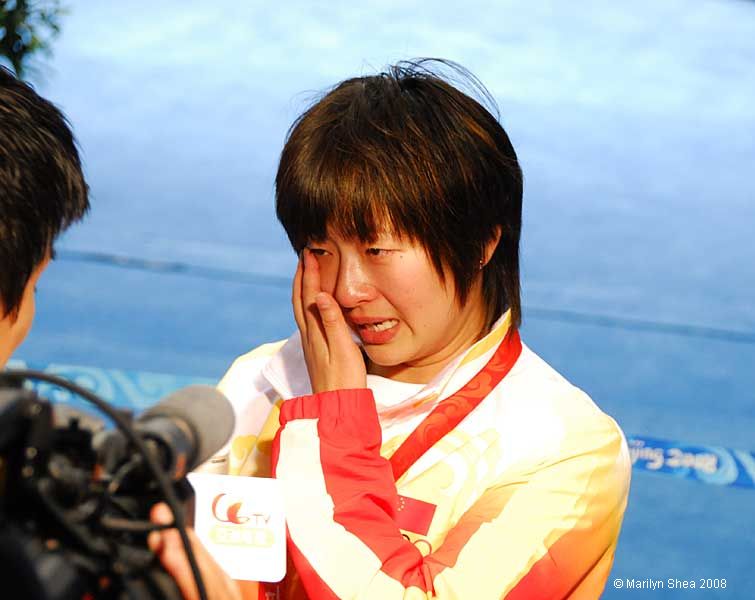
(236, 527)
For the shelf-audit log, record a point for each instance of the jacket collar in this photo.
(286, 371)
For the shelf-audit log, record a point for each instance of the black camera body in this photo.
(70, 529)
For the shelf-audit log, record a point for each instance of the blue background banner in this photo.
(708, 464)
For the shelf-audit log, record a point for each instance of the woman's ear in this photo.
(489, 248)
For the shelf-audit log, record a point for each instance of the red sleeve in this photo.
(341, 508)
(344, 425)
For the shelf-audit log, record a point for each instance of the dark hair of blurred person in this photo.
(42, 191)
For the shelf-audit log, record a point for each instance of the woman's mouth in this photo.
(382, 326)
(380, 332)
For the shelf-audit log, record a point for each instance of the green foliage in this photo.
(27, 27)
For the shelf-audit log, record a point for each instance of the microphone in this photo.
(183, 429)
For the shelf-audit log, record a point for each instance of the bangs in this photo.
(358, 180)
(353, 203)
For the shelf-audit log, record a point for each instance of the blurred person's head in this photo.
(406, 154)
(42, 191)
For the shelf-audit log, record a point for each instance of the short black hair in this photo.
(42, 188)
(406, 149)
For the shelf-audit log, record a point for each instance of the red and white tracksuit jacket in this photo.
(522, 498)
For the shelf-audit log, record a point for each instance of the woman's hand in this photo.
(167, 545)
(334, 361)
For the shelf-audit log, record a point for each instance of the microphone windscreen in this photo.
(207, 412)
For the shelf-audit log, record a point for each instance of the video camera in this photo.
(74, 503)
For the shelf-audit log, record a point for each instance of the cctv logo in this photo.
(236, 528)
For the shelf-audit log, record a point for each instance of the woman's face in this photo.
(409, 321)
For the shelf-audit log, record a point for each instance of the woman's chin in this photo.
(382, 359)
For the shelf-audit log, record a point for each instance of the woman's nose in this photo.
(352, 285)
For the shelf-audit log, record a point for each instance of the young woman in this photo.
(423, 450)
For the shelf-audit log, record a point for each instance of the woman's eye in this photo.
(377, 251)
(317, 251)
